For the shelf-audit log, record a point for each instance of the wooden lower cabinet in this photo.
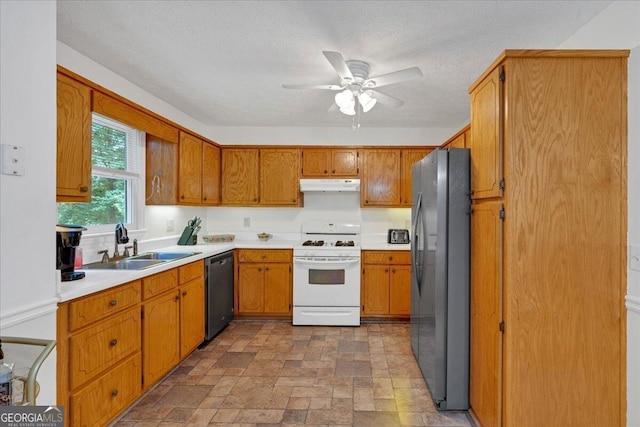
(386, 283)
(98, 354)
(107, 396)
(161, 336)
(115, 344)
(264, 282)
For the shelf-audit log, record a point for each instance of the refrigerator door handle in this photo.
(415, 244)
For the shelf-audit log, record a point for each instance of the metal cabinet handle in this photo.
(113, 302)
(264, 256)
(113, 342)
(390, 257)
(267, 268)
(184, 293)
(84, 189)
(177, 298)
(114, 393)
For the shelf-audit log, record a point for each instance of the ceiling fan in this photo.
(356, 85)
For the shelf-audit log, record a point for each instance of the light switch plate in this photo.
(12, 160)
(634, 257)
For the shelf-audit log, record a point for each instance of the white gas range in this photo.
(326, 274)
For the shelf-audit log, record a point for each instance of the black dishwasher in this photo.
(219, 292)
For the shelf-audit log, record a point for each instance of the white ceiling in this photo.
(223, 62)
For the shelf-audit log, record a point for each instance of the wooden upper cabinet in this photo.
(240, 176)
(486, 147)
(381, 178)
(409, 158)
(279, 182)
(210, 174)
(330, 162)
(73, 174)
(190, 170)
(161, 171)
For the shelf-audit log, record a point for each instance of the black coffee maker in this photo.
(67, 239)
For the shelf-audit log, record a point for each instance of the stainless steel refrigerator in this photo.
(440, 275)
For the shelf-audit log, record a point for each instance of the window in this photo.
(116, 188)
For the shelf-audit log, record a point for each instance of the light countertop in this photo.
(99, 280)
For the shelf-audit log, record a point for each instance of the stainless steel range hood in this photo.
(329, 185)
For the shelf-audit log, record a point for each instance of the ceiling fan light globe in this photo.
(344, 98)
(367, 101)
(349, 110)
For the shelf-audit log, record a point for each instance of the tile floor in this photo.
(271, 373)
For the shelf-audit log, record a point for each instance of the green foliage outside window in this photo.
(108, 195)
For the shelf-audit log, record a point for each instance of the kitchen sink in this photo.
(163, 256)
(138, 262)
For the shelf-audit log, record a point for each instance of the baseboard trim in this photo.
(633, 303)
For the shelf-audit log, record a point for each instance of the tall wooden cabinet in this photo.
(381, 177)
(548, 233)
(199, 171)
(73, 173)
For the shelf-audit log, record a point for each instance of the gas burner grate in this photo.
(313, 243)
(347, 243)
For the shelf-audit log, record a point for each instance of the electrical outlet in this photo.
(170, 225)
(246, 221)
(634, 257)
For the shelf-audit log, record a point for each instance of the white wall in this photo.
(618, 27)
(27, 241)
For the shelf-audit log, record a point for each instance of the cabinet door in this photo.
(279, 182)
(277, 288)
(485, 392)
(73, 172)
(486, 146)
(160, 337)
(161, 171)
(316, 162)
(400, 290)
(190, 170)
(381, 178)
(409, 158)
(240, 176)
(191, 316)
(344, 162)
(250, 288)
(375, 289)
(210, 174)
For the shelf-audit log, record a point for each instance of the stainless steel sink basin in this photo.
(123, 264)
(139, 262)
(163, 256)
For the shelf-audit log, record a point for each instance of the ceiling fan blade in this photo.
(386, 99)
(338, 63)
(395, 77)
(329, 87)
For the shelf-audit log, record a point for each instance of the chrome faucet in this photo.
(121, 237)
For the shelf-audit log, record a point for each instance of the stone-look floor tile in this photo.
(185, 396)
(314, 391)
(375, 418)
(353, 369)
(225, 415)
(320, 403)
(262, 416)
(272, 373)
(299, 403)
(363, 399)
(201, 417)
(294, 416)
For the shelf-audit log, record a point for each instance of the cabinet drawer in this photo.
(264, 255)
(191, 271)
(386, 257)
(159, 283)
(105, 398)
(87, 310)
(94, 350)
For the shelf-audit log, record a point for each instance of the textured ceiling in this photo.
(223, 62)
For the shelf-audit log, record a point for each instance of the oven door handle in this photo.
(326, 261)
